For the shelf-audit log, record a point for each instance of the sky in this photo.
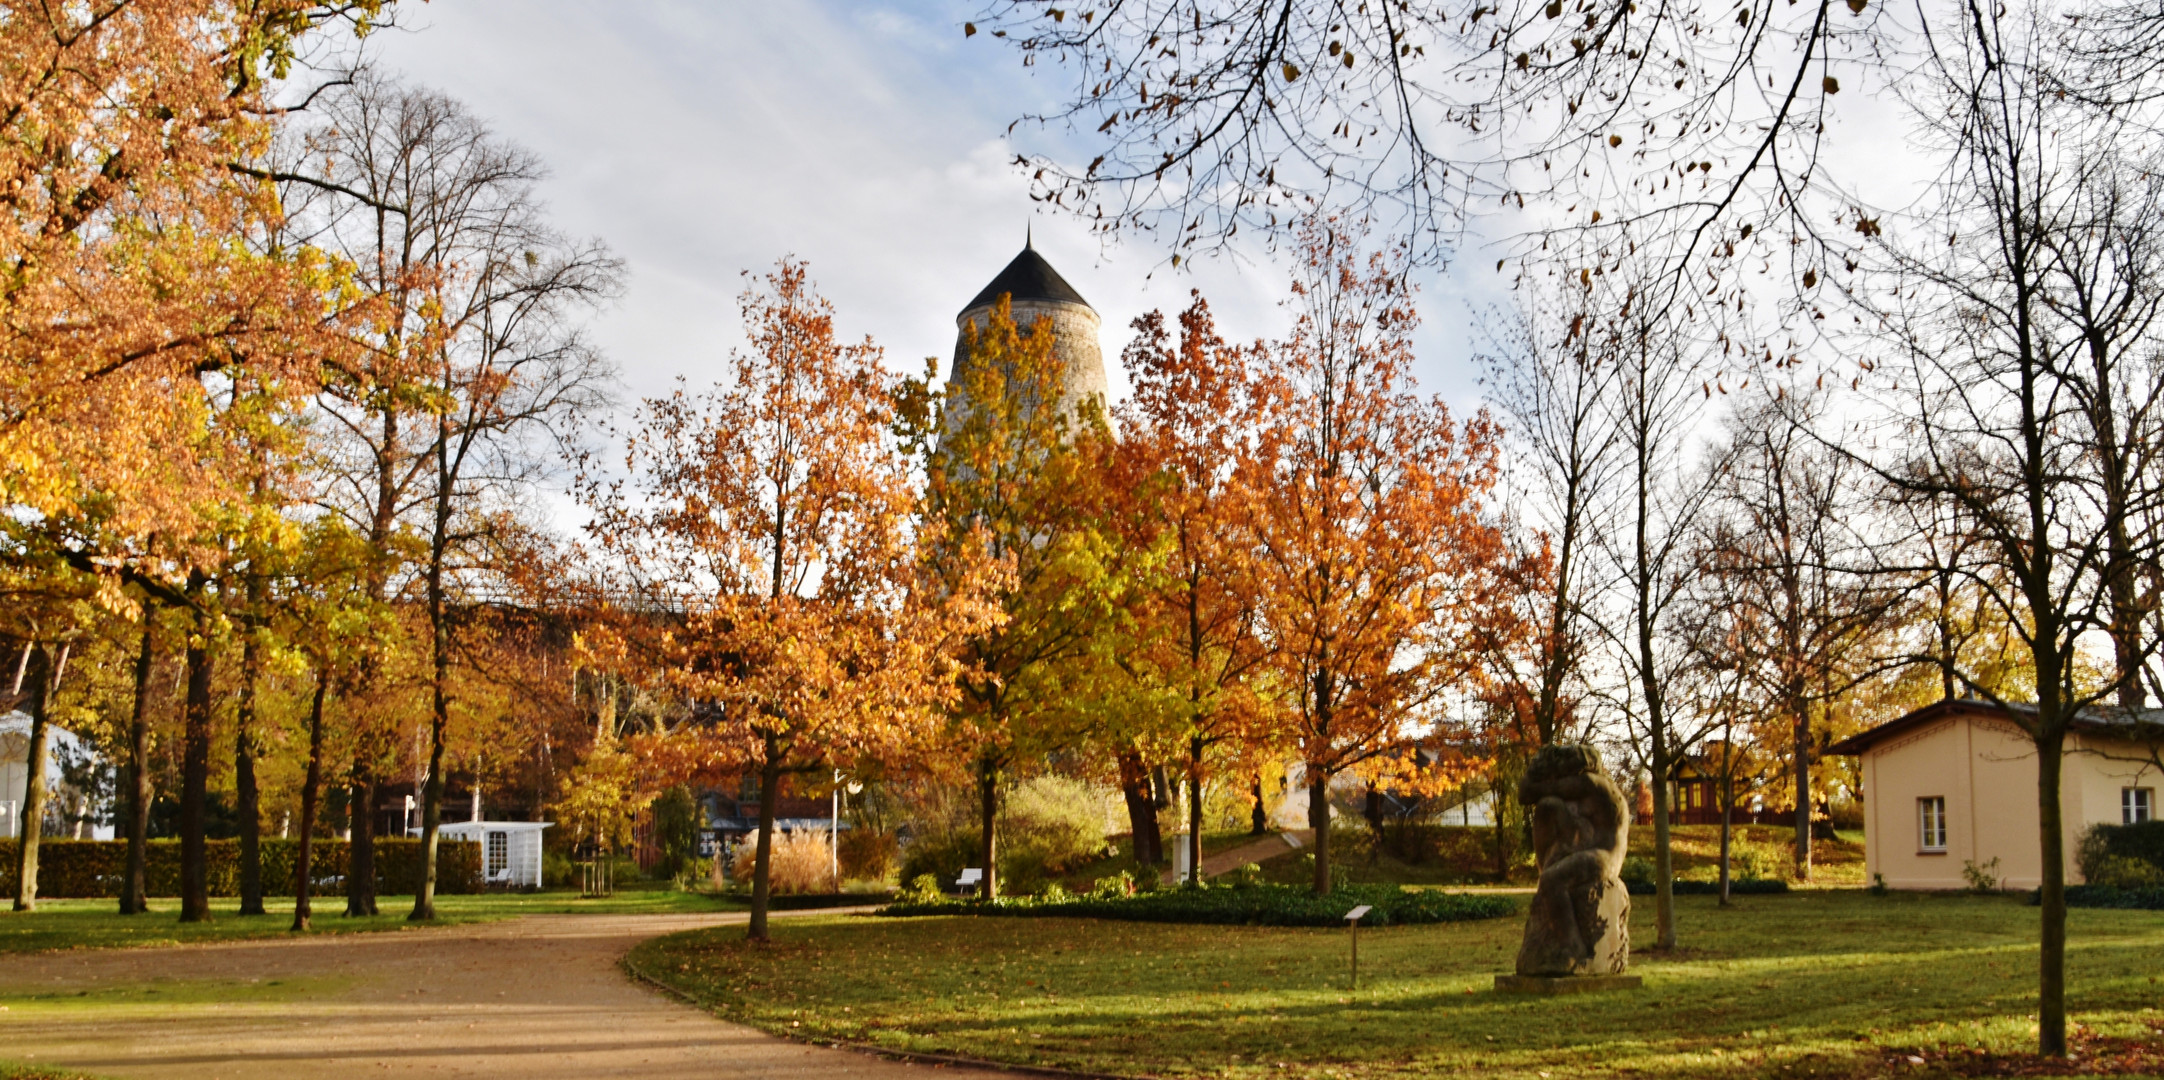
(703, 140)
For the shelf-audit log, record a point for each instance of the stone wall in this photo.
(1075, 330)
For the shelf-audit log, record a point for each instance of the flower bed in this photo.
(1252, 905)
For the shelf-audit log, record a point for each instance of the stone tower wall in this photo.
(1075, 338)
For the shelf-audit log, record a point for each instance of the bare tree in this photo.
(477, 375)
(2001, 412)
(1655, 404)
(1553, 386)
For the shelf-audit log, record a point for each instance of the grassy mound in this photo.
(1255, 905)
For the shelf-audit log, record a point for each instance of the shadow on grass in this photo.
(1819, 982)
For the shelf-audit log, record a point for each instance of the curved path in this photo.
(539, 998)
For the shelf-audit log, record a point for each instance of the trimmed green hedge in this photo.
(1736, 887)
(1252, 905)
(2104, 896)
(93, 868)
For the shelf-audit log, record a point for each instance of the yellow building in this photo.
(1953, 785)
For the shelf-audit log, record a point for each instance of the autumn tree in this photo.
(762, 539)
(1009, 482)
(1785, 534)
(1367, 509)
(1197, 642)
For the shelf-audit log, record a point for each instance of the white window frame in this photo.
(496, 853)
(1931, 824)
(2136, 805)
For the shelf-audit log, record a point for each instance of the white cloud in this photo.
(703, 140)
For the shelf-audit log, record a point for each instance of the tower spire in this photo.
(1029, 238)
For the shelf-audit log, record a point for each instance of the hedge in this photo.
(2104, 896)
(2144, 841)
(1249, 905)
(93, 868)
(1736, 887)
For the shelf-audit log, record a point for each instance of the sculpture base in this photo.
(1565, 984)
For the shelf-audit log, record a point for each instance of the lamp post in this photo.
(834, 834)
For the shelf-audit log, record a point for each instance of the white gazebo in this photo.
(510, 850)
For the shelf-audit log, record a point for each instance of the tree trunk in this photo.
(1149, 841)
(361, 847)
(988, 793)
(2051, 897)
(244, 781)
(424, 895)
(303, 857)
(1664, 886)
(762, 882)
(30, 825)
(1194, 812)
(1728, 806)
(195, 774)
(135, 885)
(1803, 791)
(1258, 821)
(424, 898)
(1318, 818)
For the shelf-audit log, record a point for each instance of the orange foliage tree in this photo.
(764, 546)
(1365, 503)
(1196, 638)
(1013, 483)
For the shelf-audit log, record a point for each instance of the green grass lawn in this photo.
(1818, 983)
(91, 924)
(13, 1071)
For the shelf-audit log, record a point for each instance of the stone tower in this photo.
(1039, 292)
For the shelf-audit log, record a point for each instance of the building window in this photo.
(1931, 821)
(2137, 804)
(499, 853)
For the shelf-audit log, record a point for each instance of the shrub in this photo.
(1983, 877)
(1264, 905)
(1051, 824)
(94, 868)
(1114, 886)
(2122, 856)
(801, 862)
(940, 853)
(1755, 862)
(1048, 826)
(1638, 870)
(922, 889)
(868, 854)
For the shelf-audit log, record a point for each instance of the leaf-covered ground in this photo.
(1815, 983)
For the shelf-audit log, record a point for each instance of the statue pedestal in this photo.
(1565, 984)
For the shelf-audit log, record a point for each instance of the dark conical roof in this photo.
(1028, 277)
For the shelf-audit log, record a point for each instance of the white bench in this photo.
(970, 876)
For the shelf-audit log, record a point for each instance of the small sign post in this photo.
(1352, 918)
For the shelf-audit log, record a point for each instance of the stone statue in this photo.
(1580, 920)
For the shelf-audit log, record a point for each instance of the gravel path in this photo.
(539, 998)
